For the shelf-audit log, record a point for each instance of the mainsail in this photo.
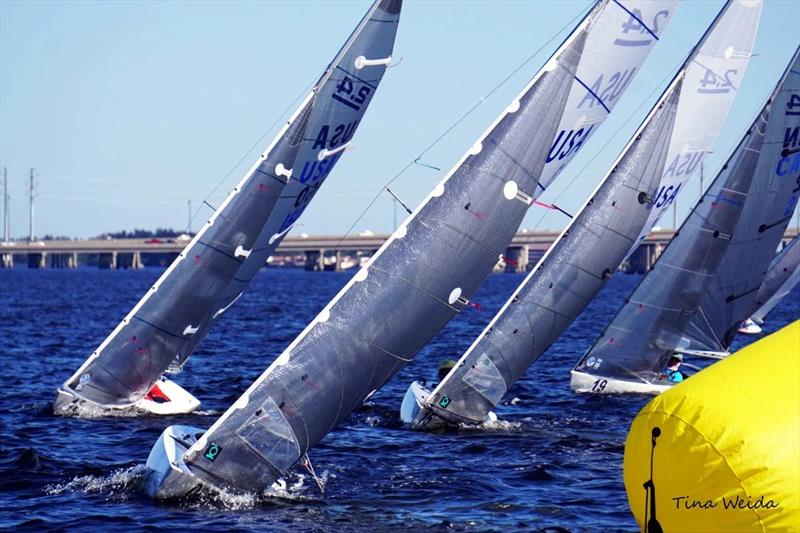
(179, 310)
(582, 259)
(419, 279)
(770, 206)
(783, 276)
(632, 352)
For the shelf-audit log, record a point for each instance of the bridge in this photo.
(315, 252)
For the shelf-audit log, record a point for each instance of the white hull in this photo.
(749, 327)
(413, 410)
(167, 474)
(587, 383)
(165, 398)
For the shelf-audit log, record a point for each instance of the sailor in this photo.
(445, 367)
(672, 372)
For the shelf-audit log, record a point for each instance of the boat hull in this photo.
(749, 327)
(168, 476)
(165, 398)
(415, 411)
(582, 382)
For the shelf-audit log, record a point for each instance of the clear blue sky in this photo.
(128, 109)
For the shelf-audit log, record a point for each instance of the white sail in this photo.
(418, 280)
(176, 314)
(620, 42)
(576, 266)
(711, 84)
(654, 323)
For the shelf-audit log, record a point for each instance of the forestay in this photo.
(419, 279)
(711, 83)
(651, 325)
(770, 205)
(782, 277)
(179, 310)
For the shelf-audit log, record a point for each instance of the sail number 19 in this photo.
(599, 385)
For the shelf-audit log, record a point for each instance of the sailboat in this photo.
(126, 372)
(421, 277)
(783, 276)
(655, 323)
(600, 236)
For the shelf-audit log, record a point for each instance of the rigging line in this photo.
(416, 161)
(398, 200)
(552, 206)
(461, 119)
(710, 328)
(613, 136)
(249, 150)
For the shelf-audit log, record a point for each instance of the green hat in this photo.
(447, 364)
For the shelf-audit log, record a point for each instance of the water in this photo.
(554, 460)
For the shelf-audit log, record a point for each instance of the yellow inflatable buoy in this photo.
(721, 451)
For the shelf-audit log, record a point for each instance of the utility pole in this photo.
(5, 205)
(189, 219)
(31, 196)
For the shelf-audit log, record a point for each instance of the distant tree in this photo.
(167, 233)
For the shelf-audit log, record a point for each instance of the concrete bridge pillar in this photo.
(136, 261)
(6, 260)
(315, 260)
(643, 258)
(107, 261)
(516, 259)
(72, 262)
(37, 260)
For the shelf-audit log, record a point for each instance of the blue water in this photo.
(554, 461)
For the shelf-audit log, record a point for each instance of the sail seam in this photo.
(218, 250)
(156, 327)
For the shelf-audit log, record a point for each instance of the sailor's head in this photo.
(675, 360)
(445, 367)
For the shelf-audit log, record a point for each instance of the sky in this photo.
(128, 110)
